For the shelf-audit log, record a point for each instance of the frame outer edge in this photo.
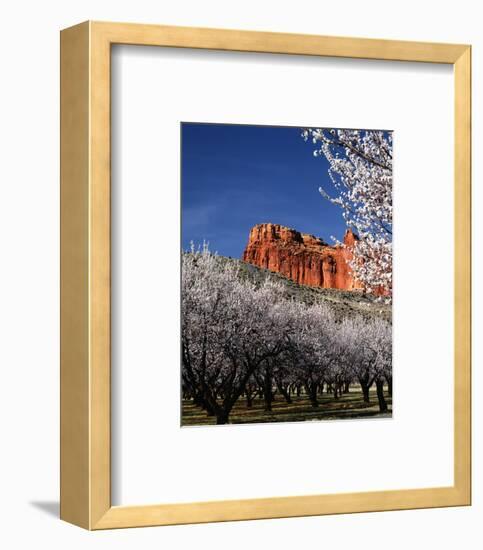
(275, 42)
(462, 334)
(120, 517)
(85, 275)
(74, 339)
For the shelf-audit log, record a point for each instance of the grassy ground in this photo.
(350, 405)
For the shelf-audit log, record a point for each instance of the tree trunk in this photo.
(380, 395)
(389, 385)
(268, 397)
(267, 389)
(286, 396)
(204, 404)
(285, 391)
(366, 383)
(222, 417)
(365, 392)
(311, 390)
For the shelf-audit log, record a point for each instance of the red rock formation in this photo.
(303, 258)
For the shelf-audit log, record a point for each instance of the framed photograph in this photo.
(265, 275)
(279, 325)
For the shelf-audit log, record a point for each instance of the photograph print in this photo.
(286, 274)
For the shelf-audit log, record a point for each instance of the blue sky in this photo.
(236, 176)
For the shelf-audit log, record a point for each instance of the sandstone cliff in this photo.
(303, 258)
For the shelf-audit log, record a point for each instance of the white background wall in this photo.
(29, 275)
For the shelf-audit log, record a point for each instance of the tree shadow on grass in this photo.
(349, 407)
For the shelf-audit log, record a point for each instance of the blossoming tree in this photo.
(360, 168)
(246, 338)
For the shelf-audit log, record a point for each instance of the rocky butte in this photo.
(305, 259)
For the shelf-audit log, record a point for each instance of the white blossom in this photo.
(360, 168)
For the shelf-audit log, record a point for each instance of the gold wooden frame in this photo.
(85, 275)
